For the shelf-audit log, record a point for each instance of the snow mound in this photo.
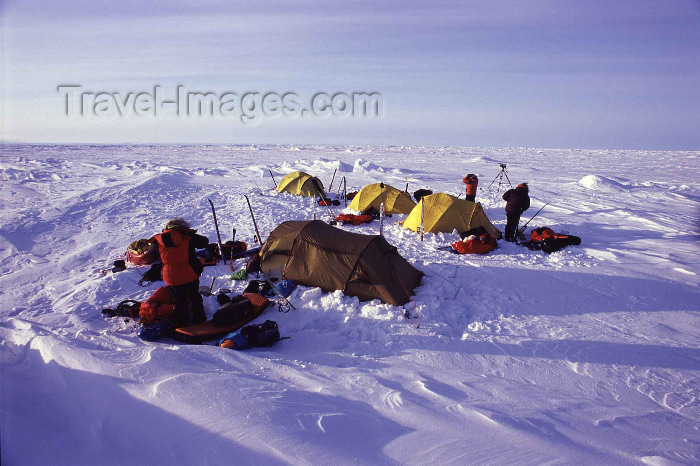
(327, 165)
(601, 184)
(365, 166)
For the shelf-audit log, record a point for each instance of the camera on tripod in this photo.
(500, 177)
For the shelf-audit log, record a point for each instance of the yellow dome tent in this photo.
(395, 201)
(445, 213)
(301, 184)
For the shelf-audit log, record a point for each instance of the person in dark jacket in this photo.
(181, 269)
(472, 182)
(517, 202)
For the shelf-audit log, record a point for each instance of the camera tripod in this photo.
(499, 177)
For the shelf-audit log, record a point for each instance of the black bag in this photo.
(233, 248)
(265, 334)
(222, 298)
(551, 245)
(419, 193)
(211, 251)
(238, 310)
(126, 308)
(259, 287)
(154, 274)
(371, 211)
(478, 231)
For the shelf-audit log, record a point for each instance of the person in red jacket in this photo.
(181, 269)
(472, 182)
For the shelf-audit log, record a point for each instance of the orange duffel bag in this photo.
(161, 304)
(476, 245)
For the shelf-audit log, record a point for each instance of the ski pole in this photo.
(522, 229)
(273, 177)
(422, 213)
(256, 185)
(330, 187)
(255, 224)
(330, 212)
(251, 179)
(218, 235)
(345, 191)
(340, 187)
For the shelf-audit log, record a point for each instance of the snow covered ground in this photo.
(589, 355)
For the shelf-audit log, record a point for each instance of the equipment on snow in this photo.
(256, 335)
(233, 249)
(137, 252)
(229, 317)
(152, 331)
(258, 238)
(499, 177)
(160, 305)
(475, 244)
(222, 298)
(273, 177)
(322, 202)
(126, 308)
(284, 304)
(204, 291)
(521, 230)
(340, 187)
(216, 224)
(544, 239)
(153, 274)
(330, 186)
(258, 286)
(353, 219)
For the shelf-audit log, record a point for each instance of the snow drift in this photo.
(588, 355)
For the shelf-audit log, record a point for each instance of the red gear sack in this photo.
(541, 234)
(137, 252)
(161, 304)
(354, 219)
(479, 245)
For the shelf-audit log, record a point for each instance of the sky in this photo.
(550, 74)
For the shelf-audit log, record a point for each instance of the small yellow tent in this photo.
(445, 213)
(301, 184)
(372, 195)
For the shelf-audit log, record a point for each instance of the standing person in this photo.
(181, 269)
(472, 182)
(517, 202)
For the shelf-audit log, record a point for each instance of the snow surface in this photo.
(589, 355)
